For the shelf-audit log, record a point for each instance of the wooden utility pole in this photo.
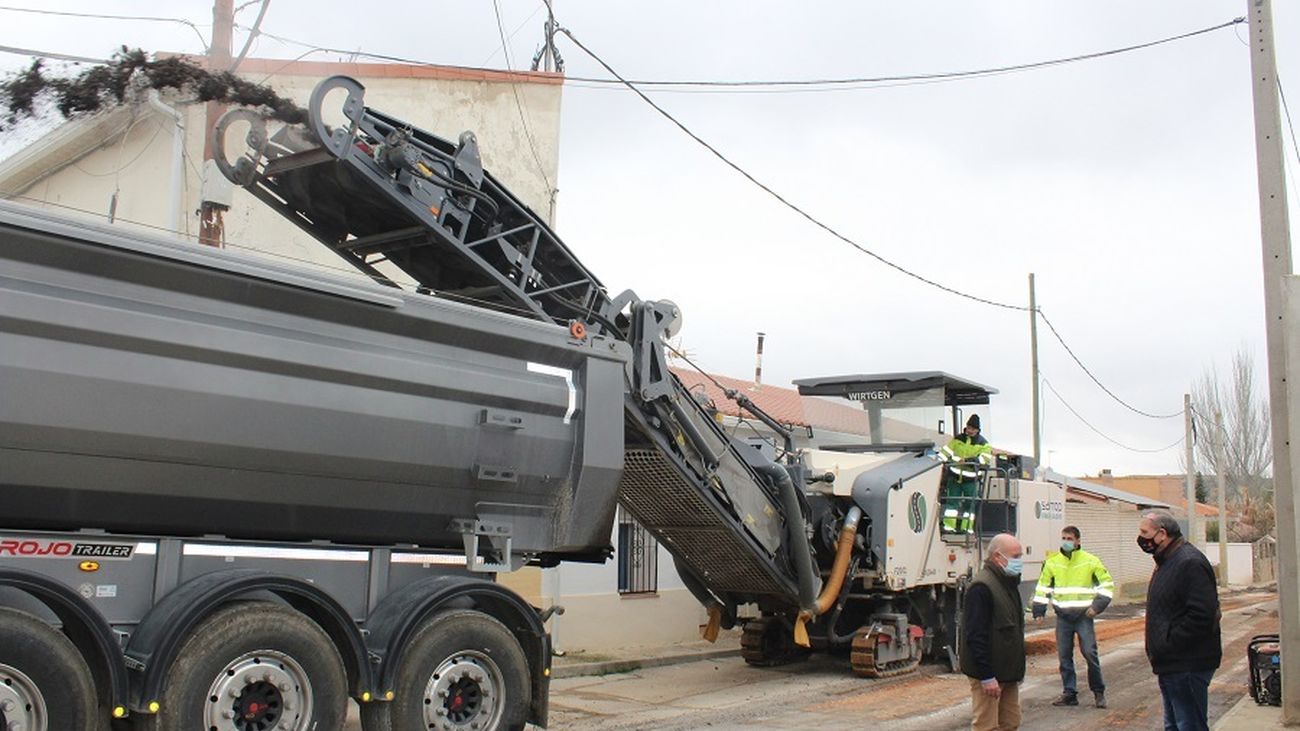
(1189, 480)
(211, 225)
(1275, 233)
(1033, 371)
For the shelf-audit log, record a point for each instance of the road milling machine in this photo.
(194, 440)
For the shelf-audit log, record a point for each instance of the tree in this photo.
(1202, 487)
(1242, 448)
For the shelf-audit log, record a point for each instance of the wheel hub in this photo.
(464, 693)
(260, 691)
(22, 707)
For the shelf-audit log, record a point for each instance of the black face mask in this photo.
(1148, 545)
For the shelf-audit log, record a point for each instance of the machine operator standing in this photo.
(963, 481)
(1078, 586)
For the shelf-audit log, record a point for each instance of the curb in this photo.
(612, 667)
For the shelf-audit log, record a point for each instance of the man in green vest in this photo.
(962, 481)
(993, 637)
(1079, 588)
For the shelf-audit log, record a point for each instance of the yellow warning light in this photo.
(547, 672)
(154, 706)
(88, 565)
(389, 695)
(119, 712)
(365, 697)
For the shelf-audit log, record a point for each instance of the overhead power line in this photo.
(50, 54)
(780, 198)
(904, 78)
(1056, 333)
(1099, 432)
(104, 16)
(519, 104)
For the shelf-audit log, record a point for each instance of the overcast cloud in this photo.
(1126, 183)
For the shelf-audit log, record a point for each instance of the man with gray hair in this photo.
(993, 637)
(1183, 640)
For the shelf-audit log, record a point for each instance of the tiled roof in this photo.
(788, 407)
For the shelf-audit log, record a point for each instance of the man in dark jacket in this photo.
(1182, 634)
(993, 637)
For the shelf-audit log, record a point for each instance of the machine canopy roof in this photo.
(883, 387)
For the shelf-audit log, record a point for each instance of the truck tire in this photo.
(462, 671)
(45, 684)
(253, 666)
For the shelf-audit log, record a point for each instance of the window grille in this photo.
(638, 557)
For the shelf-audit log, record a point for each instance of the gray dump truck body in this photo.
(155, 387)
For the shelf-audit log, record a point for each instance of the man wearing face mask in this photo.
(1078, 587)
(993, 637)
(1183, 641)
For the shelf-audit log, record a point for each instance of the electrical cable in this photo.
(945, 75)
(123, 166)
(793, 207)
(513, 33)
(1290, 127)
(519, 104)
(101, 16)
(50, 54)
(252, 35)
(1099, 432)
(1102, 386)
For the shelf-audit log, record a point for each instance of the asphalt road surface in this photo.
(822, 693)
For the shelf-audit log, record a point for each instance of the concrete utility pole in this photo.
(1033, 370)
(211, 225)
(1222, 480)
(1275, 231)
(1189, 480)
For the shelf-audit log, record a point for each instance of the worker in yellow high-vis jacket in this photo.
(961, 487)
(1077, 585)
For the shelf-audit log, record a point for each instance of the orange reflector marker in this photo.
(88, 565)
(578, 329)
(434, 210)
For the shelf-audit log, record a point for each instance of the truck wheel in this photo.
(462, 671)
(254, 666)
(45, 684)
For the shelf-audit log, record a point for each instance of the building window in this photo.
(638, 557)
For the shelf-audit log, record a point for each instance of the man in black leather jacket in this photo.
(1183, 641)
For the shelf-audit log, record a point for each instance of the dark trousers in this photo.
(1187, 700)
(1066, 629)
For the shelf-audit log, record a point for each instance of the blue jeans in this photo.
(1066, 629)
(1187, 700)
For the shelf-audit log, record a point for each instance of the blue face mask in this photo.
(1067, 546)
(1014, 566)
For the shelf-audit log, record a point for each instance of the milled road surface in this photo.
(822, 693)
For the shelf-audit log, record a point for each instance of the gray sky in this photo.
(1126, 183)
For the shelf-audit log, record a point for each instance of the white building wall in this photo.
(138, 166)
(1110, 532)
(1241, 563)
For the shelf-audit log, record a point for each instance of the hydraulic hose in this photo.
(800, 551)
(839, 574)
(840, 569)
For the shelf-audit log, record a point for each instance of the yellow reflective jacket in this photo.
(966, 449)
(1073, 583)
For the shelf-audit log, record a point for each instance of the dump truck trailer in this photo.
(183, 427)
